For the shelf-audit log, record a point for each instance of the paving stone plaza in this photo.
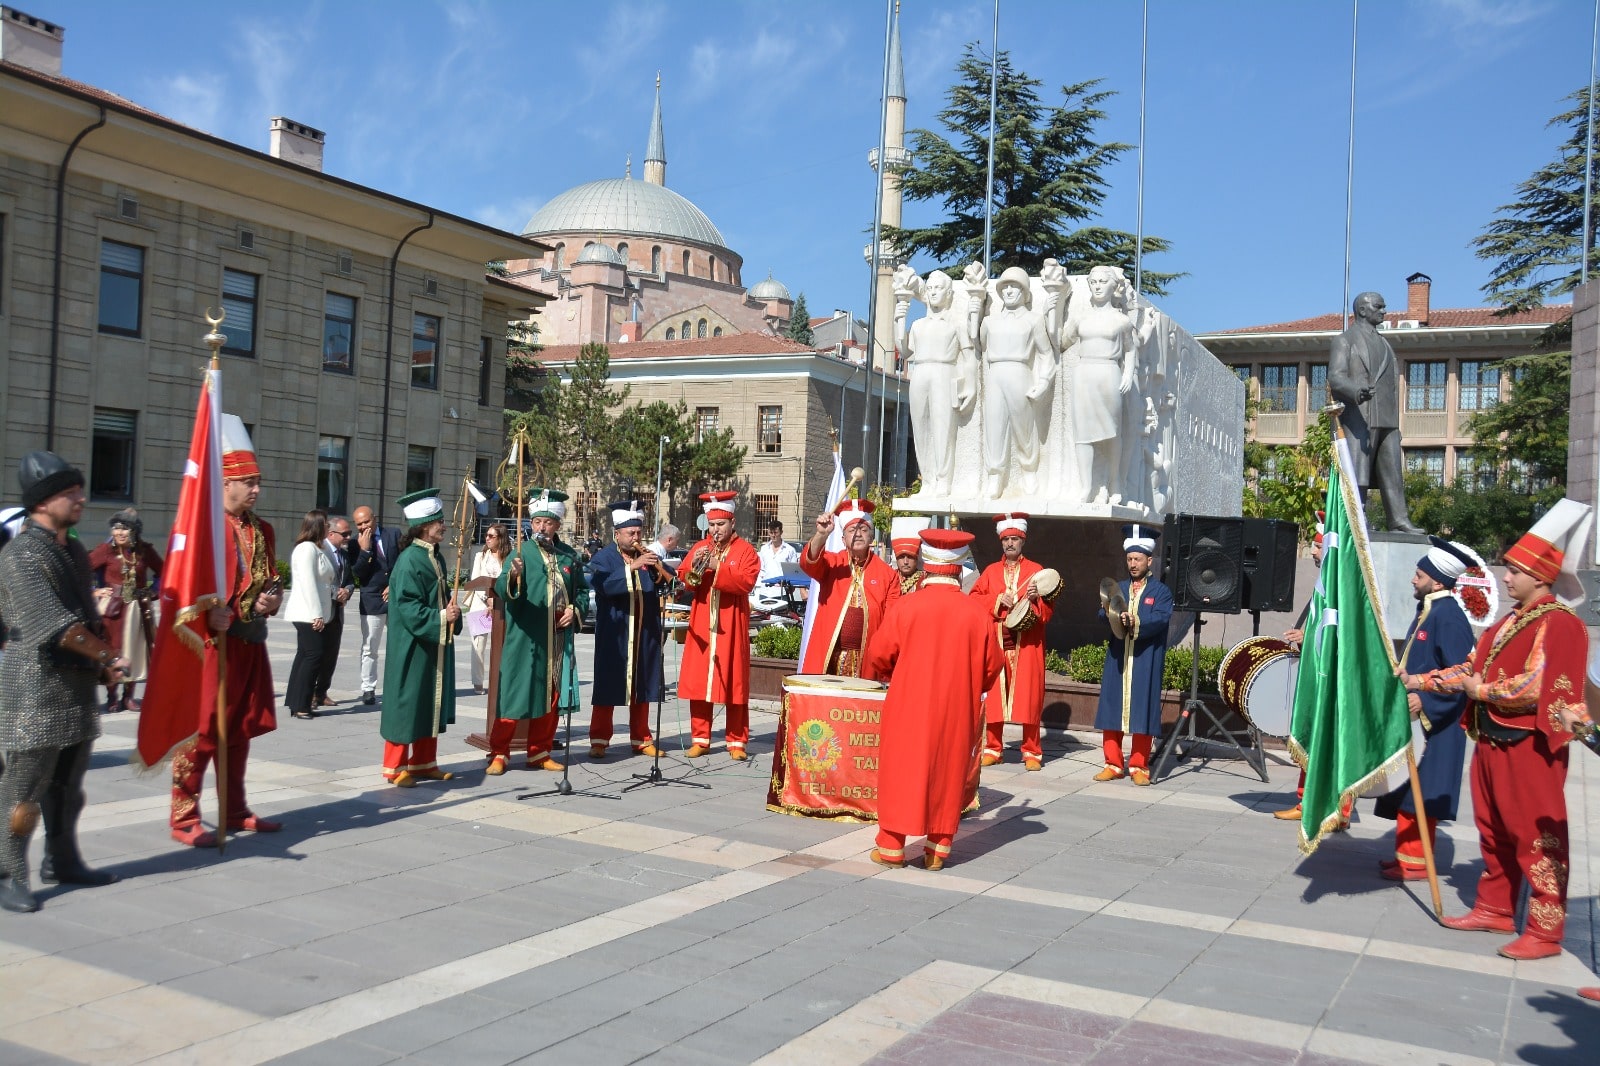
(464, 922)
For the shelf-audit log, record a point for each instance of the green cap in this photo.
(422, 507)
(548, 503)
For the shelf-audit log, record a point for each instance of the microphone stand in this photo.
(655, 776)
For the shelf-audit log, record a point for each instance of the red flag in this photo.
(181, 692)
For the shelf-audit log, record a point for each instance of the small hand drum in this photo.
(1257, 679)
(1022, 615)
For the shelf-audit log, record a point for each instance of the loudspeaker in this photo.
(1203, 563)
(1270, 548)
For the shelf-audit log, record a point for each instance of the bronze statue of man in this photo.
(1364, 375)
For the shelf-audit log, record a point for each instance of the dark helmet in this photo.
(43, 475)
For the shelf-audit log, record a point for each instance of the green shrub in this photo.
(1181, 659)
(1056, 663)
(1086, 663)
(778, 642)
(283, 572)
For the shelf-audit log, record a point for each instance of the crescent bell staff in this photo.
(461, 535)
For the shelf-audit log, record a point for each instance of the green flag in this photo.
(1350, 720)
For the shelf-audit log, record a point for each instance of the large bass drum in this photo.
(1256, 681)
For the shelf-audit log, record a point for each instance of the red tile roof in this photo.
(727, 344)
(1439, 318)
(84, 89)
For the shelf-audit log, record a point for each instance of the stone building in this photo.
(1446, 358)
(365, 344)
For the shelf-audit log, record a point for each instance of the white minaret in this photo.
(655, 157)
(895, 155)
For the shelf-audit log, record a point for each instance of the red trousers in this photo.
(541, 736)
(1408, 839)
(422, 754)
(1344, 808)
(189, 764)
(1111, 749)
(638, 725)
(1521, 811)
(994, 739)
(738, 731)
(893, 845)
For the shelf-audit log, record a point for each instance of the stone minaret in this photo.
(895, 155)
(655, 158)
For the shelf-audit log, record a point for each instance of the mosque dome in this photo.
(769, 290)
(625, 207)
(600, 253)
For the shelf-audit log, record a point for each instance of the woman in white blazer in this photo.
(310, 608)
(479, 607)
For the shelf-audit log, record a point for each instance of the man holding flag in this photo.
(1525, 683)
(218, 590)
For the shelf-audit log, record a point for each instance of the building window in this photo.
(1280, 389)
(717, 332)
(425, 352)
(686, 263)
(121, 288)
(622, 250)
(1471, 474)
(1480, 385)
(1318, 397)
(485, 368)
(586, 513)
(338, 333)
(1425, 386)
(672, 334)
(333, 473)
(684, 332)
(769, 424)
(712, 260)
(705, 422)
(1428, 461)
(111, 454)
(560, 254)
(1243, 374)
(700, 330)
(239, 304)
(655, 260)
(419, 468)
(766, 508)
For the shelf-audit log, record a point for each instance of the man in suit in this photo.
(376, 550)
(341, 549)
(1364, 376)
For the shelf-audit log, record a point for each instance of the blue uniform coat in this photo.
(1130, 701)
(627, 632)
(1440, 636)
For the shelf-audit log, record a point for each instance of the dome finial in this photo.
(655, 157)
(627, 168)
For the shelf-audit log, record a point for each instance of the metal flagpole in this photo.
(877, 231)
(1350, 160)
(1144, 68)
(988, 189)
(1588, 155)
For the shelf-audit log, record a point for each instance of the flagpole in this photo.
(215, 339)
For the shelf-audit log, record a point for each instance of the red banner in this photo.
(826, 764)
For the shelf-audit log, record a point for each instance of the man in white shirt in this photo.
(775, 551)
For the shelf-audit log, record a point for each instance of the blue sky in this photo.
(488, 109)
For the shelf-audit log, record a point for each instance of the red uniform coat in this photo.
(939, 652)
(1018, 695)
(716, 666)
(106, 564)
(880, 585)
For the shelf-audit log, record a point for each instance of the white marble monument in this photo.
(1064, 395)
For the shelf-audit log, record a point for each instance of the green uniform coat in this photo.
(419, 683)
(535, 651)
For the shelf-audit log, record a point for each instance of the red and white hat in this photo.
(238, 451)
(849, 512)
(1011, 524)
(718, 504)
(903, 533)
(944, 550)
(1550, 549)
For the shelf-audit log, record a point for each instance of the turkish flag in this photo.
(182, 688)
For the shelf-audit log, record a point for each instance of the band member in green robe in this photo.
(544, 592)
(419, 667)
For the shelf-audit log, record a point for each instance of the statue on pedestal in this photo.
(1364, 375)
(943, 371)
(1019, 364)
(1105, 403)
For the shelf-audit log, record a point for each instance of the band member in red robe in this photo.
(905, 542)
(855, 589)
(1525, 684)
(1018, 695)
(253, 597)
(939, 653)
(721, 570)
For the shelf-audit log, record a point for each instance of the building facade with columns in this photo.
(365, 345)
(1446, 358)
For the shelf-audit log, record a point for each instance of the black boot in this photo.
(14, 896)
(63, 802)
(113, 701)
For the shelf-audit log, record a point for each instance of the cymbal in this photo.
(1115, 603)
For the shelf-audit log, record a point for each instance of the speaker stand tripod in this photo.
(564, 786)
(1184, 733)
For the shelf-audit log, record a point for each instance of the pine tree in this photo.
(1047, 178)
(800, 323)
(1534, 241)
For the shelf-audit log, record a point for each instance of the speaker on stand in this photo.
(1271, 548)
(1203, 562)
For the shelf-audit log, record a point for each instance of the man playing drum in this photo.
(1130, 685)
(1440, 637)
(855, 589)
(1018, 694)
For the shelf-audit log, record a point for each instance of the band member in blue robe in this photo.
(1130, 685)
(627, 582)
(1440, 637)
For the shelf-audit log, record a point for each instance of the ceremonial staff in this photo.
(461, 535)
(215, 340)
(518, 456)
